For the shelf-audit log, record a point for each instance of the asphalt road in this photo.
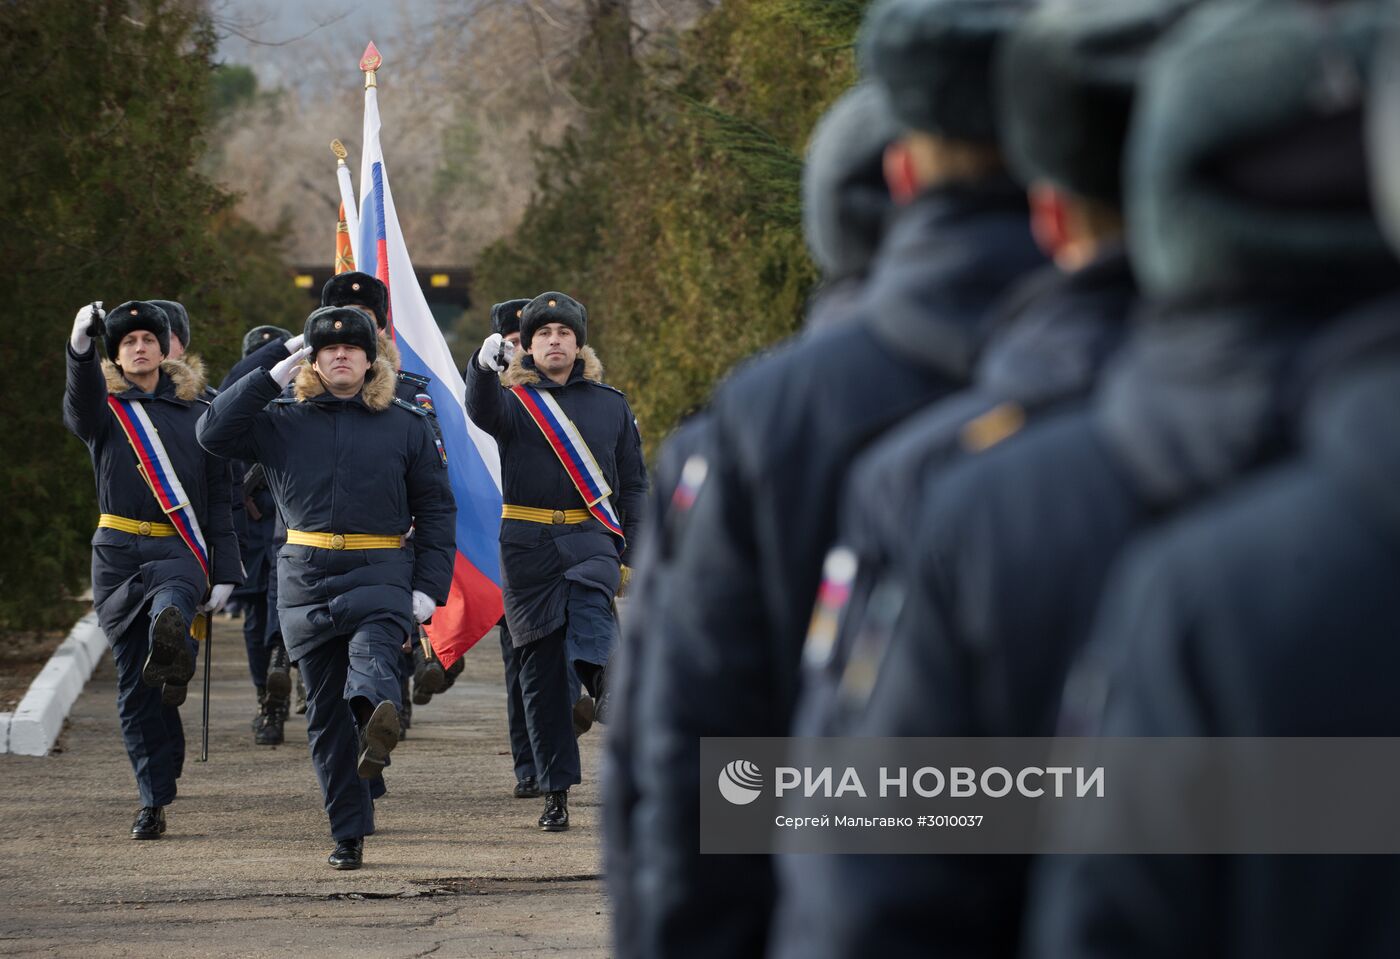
(456, 868)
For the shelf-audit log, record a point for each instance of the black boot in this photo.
(299, 704)
(258, 716)
(279, 676)
(269, 731)
(377, 740)
(454, 671)
(149, 824)
(527, 788)
(405, 714)
(429, 677)
(348, 854)
(173, 693)
(555, 817)
(583, 714)
(169, 659)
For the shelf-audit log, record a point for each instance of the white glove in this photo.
(218, 596)
(492, 347)
(285, 371)
(294, 343)
(80, 340)
(423, 606)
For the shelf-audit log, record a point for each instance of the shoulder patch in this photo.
(415, 378)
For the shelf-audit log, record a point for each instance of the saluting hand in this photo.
(285, 371)
(495, 354)
(80, 339)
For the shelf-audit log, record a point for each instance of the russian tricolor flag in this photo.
(473, 462)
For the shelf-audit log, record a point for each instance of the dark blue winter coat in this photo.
(1270, 612)
(723, 660)
(366, 464)
(126, 567)
(1048, 342)
(1006, 559)
(538, 560)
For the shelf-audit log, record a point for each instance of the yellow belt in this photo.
(556, 517)
(136, 527)
(343, 540)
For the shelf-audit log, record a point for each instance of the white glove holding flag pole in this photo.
(423, 606)
(80, 340)
(294, 343)
(284, 372)
(495, 354)
(218, 596)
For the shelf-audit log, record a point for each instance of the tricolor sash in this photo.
(156, 468)
(574, 455)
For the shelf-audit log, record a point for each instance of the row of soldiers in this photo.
(342, 448)
(1088, 433)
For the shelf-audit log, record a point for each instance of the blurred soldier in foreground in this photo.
(573, 480)
(845, 211)
(1007, 553)
(1272, 611)
(1067, 78)
(723, 658)
(350, 467)
(165, 533)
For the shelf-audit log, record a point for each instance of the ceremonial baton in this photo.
(208, 668)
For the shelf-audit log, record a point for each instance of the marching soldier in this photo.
(573, 482)
(254, 518)
(724, 657)
(165, 533)
(350, 467)
(369, 293)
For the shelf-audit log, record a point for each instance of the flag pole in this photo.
(347, 195)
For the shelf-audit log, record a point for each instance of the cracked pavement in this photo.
(457, 868)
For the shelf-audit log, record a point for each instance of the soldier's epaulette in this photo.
(607, 387)
(405, 404)
(283, 400)
(416, 379)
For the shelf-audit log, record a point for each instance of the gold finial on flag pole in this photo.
(340, 152)
(370, 63)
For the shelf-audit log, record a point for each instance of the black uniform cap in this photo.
(505, 317)
(1066, 80)
(934, 60)
(260, 335)
(358, 289)
(331, 325)
(136, 315)
(553, 308)
(179, 320)
(1246, 160)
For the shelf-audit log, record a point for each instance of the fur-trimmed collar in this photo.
(390, 351)
(187, 374)
(378, 391)
(517, 374)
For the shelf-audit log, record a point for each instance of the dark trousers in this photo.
(544, 689)
(520, 749)
(364, 664)
(152, 732)
(255, 637)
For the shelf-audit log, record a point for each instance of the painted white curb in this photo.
(37, 721)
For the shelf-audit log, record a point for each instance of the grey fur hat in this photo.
(845, 201)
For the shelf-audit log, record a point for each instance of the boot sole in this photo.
(583, 715)
(279, 686)
(169, 659)
(381, 736)
(433, 679)
(554, 828)
(173, 694)
(345, 865)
